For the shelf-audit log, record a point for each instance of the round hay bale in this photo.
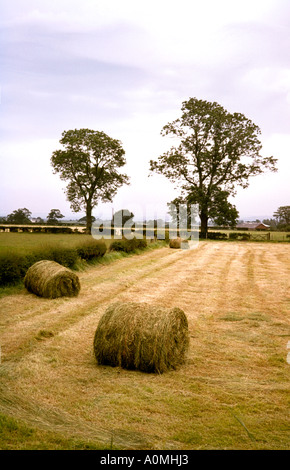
(175, 243)
(178, 243)
(51, 280)
(141, 336)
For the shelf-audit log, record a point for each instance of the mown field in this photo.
(232, 392)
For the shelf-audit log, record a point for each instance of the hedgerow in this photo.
(12, 268)
(128, 246)
(239, 236)
(13, 265)
(91, 249)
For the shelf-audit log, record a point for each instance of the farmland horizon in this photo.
(71, 217)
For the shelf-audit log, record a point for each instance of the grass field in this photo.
(22, 242)
(275, 236)
(232, 393)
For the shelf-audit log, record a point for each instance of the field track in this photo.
(236, 297)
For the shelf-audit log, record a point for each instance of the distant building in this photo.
(252, 226)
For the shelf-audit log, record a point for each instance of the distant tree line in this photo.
(280, 219)
(23, 217)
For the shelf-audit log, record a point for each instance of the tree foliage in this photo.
(39, 220)
(271, 222)
(84, 219)
(282, 216)
(217, 150)
(54, 216)
(280, 220)
(122, 216)
(89, 163)
(19, 216)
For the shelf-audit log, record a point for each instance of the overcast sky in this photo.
(124, 68)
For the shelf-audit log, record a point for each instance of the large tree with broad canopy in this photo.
(217, 151)
(89, 163)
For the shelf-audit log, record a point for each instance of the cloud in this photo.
(125, 68)
(270, 190)
(51, 86)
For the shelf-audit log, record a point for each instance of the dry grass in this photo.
(140, 336)
(233, 390)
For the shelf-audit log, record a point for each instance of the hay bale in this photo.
(51, 280)
(141, 336)
(178, 243)
(175, 243)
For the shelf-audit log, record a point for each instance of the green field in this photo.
(274, 236)
(23, 242)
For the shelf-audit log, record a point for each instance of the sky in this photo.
(124, 68)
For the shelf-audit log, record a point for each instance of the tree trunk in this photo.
(203, 224)
(89, 218)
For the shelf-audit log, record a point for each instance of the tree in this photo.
(271, 222)
(122, 216)
(84, 219)
(181, 217)
(39, 220)
(220, 210)
(54, 216)
(282, 216)
(89, 162)
(217, 151)
(19, 216)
